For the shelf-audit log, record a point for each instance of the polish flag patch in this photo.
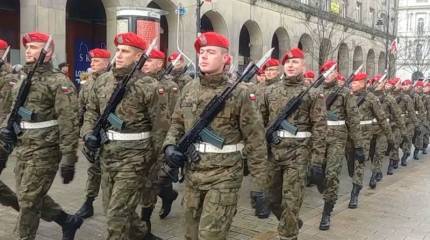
(161, 91)
(252, 97)
(175, 89)
(66, 90)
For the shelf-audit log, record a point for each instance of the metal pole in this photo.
(198, 25)
(387, 38)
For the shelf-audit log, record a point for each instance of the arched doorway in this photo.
(381, 62)
(343, 59)
(305, 43)
(213, 21)
(10, 27)
(250, 43)
(280, 42)
(85, 30)
(357, 58)
(370, 63)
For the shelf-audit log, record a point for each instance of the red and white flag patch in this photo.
(161, 91)
(66, 90)
(252, 97)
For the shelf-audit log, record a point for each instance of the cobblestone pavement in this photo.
(397, 209)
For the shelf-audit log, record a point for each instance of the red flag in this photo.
(393, 47)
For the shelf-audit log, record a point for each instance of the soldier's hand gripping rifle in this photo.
(371, 88)
(3, 58)
(98, 136)
(281, 120)
(200, 129)
(332, 97)
(169, 67)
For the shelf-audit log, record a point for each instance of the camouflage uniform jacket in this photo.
(371, 109)
(392, 109)
(134, 109)
(52, 97)
(180, 78)
(420, 110)
(311, 116)
(87, 83)
(406, 105)
(426, 101)
(238, 122)
(7, 82)
(344, 108)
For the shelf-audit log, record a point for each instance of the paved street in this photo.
(397, 209)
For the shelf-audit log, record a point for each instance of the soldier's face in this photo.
(152, 65)
(2, 52)
(212, 59)
(126, 56)
(179, 65)
(406, 87)
(341, 83)
(331, 78)
(271, 72)
(294, 67)
(357, 85)
(418, 89)
(388, 86)
(32, 52)
(307, 81)
(99, 64)
(261, 78)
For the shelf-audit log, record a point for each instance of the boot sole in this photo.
(352, 207)
(324, 228)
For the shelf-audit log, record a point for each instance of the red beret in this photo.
(309, 74)
(406, 82)
(271, 63)
(35, 37)
(393, 81)
(293, 53)
(130, 39)
(327, 65)
(360, 76)
(419, 84)
(427, 84)
(99, 53)
(173, 57)
(3, 44)
(211, 39)
(157, 54)
(340, 77)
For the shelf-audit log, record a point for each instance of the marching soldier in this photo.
(406, 104)
(295, 152)
(373, 120)
(125, 158)
(426, 101)
(260, 76)
(167, 95)
(48, 141)
(397, 123)
(213, 178)
(308, 78)
(178, 73)
(99, 64)
(420, 111)
(343, 119)
(7, 82)
(341, 80)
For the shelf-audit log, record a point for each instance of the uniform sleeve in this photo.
(353, 118)
(92, 111)
(252, 128)
(177, 128)
(264, 107)
(173, 97)
(66, 109)
(318, 117)
(411, 110)
(381, 117)
(397, 115)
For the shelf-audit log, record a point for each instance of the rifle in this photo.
(3, 58)
(169, 67)
(19, 112)
(332, 97)
(371, 88)
(200, 129)
(108, 117)
(293, 104)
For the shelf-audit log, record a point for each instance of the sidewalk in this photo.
(397, 209)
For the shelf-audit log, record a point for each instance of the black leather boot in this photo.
(395, 164)
(353, 202)
(69, 225)
(379, 176)
(262, 209)
(146, 216)
(404, 161)
(372, 182)
(87, 209)
(325, 219)
(390, 168)
(168, 195)
(416, 151)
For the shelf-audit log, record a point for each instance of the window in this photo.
(419, 51)
(372, 16)
(420, 26)
(345, 8)
(359, 16)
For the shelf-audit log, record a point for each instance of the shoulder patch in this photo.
(252, 97)
(67, 89)
(161, 91)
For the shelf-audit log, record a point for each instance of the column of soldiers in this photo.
(365, 120)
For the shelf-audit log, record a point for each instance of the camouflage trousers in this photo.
(406, 144)
(359, 167)
(94, 180)
(377, 150)
(335, 151)
(209, 213)
(426, 136)
(288, 170)
(34, 172)
(418, 137)
(121, 191)
(151, 188)
(8, 197)
(394, 154)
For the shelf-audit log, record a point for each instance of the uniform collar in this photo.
(269, 82)
(121, 72)
(330, 85)
(293, 81)
(213, 81)
(44, 67)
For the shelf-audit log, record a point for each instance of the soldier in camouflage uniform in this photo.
(398, 127)
(167, 95)
(308, 78)
(125, 160)
(212, 180)
(373, 120)
(406, 105)
(426, 101)
(295, 153)
(420, 111)
(343, 119)
(48, 140)
(260, 77)
(178, 73)
(99, 64)
(7, 82)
